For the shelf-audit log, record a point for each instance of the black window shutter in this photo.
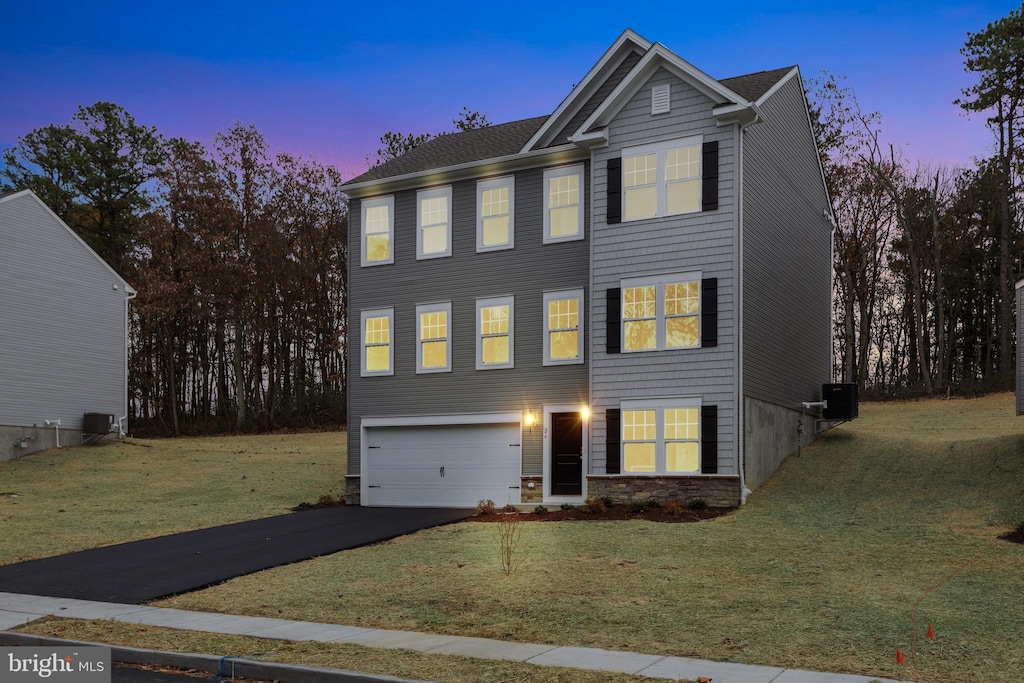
(613, 334)
(709, 312)
(709, 184)
(614, 181)
(709, 439)
(612, 418)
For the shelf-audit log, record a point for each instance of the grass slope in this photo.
(819, 571)
(69, 499)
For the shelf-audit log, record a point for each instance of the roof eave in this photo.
(469, 169)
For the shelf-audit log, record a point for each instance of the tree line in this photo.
(925, 257)
(240, 257)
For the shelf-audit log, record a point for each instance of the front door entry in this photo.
(566, 454)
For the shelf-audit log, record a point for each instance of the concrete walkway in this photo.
(18, 609)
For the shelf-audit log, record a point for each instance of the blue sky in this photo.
(327, 79)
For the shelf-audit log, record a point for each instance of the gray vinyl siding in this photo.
(600, 95)
(62, 323)
(702, 242)
(525, 272)
(787, 260)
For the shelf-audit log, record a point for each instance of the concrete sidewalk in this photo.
(18, 609)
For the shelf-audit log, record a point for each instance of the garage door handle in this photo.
(442, 470)
(374, 486)
(373, 446)
(515, 444)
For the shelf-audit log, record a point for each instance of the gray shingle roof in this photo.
(459, 148)
(753, 86)
(508, 138)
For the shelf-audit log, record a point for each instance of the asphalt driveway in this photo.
(153, 568)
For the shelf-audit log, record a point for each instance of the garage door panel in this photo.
(448, 465)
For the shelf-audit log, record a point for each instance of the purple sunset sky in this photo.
(327, 79)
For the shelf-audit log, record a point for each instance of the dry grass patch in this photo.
(401, 663)
(819, 571)
(69, 499)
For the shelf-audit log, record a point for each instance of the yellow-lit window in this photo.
(563, 207)
(433, 236)
(662, 179)
(494, 333)
(681, 440)
(378, 230)
(378, 354)
(682, 306)
(495, 199)
(640, 186)
(682, 179)
(640, 317)
(563, 327)
(639, 441)
(433, 338)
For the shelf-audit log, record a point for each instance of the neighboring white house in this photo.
(63, 332)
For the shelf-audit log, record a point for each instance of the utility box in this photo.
(842, 401)
(97, 423)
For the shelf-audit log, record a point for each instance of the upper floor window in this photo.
(434, 223)
(378, 350)
(661, 436)
(563, 203)
(378, 231)
(563, 327)
(494, 333)
(661, 312)
(495, 214)
(433, 337)
(661, 179)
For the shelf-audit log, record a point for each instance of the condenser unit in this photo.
(841, 399)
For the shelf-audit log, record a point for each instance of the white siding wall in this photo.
(62, 323)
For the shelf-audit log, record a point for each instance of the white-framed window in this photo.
(661, 312)
(378, 221)
(434, 222)
(495, 338)
(378, 342)
(495, 214)
(563, 327)
(563, 203)
(661, 436)
(661, 179)
(434, 337)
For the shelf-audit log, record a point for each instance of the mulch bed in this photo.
(614, 512)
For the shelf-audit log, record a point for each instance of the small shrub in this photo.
(607, 500)
(485, 507)
(673, 507)
(510, 508)
(697, 504)
(567, 506)
(510, 533)
(639, 506)
(326, 499)
(1019, 528)
(592, 505)
(540, 510)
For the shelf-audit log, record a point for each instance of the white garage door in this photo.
(442, 466)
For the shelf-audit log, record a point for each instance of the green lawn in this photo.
(819, 571)
(74, 498)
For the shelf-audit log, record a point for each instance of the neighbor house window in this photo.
(563, 327)
(661, 313)
(661, 179)
(378, 216)
(661, 436)
(434, 222)
(494, 333)
(563, 203)
(495, 214)
(433, 337)
(378, 349)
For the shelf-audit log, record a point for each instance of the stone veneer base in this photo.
(715, 491)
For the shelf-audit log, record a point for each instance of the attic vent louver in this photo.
(660, 99)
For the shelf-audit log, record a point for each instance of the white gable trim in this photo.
(629, 41)
(127, 287)
(795, 71)
(659, 57)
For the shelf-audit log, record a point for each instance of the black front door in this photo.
(566, 454)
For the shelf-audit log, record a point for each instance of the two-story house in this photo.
(629, 297)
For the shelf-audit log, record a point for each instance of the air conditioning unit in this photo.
(97, 423)
(842, 401)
